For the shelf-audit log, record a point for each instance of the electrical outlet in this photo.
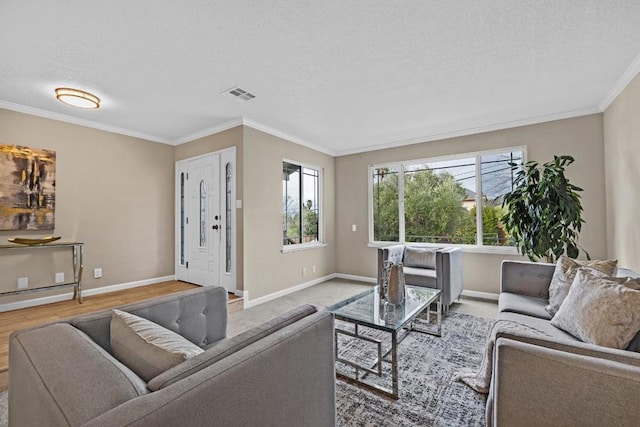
(353, 227)
(97, 273)
(23, 282)
(59, 277)
(304, 271)
(313, 269)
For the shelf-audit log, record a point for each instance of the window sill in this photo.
(302, 247)
(472, 249)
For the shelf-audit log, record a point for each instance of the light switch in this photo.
(353, 227)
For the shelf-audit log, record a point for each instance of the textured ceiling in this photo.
(344, 76)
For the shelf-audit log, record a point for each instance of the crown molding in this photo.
(274, 132)
(81, 122)
(631, 71)
(474, 130)
(209, 131)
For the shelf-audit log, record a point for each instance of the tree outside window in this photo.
(301, 204)
(438, 201)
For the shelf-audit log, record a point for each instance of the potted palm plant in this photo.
(543, 211)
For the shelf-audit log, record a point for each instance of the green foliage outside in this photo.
(292, 222)
(434, 211)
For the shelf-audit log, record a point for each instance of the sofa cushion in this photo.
(542, 325)
(420, 277)
(601, 310)
(420, 257)
(564, 274)
(229, 346)
(147, 348)
(523, 304)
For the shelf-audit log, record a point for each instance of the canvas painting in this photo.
(27, 188)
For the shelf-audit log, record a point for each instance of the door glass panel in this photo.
(182, 222)
(203, 214)
(228, 216)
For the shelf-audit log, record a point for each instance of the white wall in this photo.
(622, 165)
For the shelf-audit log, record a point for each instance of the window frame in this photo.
(320, 242)
(478, 247)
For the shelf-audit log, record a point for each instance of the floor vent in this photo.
(238, 93)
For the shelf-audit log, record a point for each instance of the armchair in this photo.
(438, 268)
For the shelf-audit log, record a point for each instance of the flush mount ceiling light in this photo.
(77, 98)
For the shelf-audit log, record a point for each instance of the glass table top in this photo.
(368, 309)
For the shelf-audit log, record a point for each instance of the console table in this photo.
(77, 250)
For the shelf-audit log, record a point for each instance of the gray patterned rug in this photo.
(3, 409)
(427, 364)
(428, 397)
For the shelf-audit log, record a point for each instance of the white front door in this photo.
(204, 239)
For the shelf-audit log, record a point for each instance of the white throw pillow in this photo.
(147, 348)
(601, 310)
(564, 274)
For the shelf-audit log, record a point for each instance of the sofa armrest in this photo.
(226, 347)
(285, 378)
(59, 376)
(449, 274)
(526, 278)
(539, 386)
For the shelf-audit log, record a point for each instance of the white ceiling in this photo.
(342, 76)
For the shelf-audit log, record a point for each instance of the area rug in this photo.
(4, 409)
(427, 366)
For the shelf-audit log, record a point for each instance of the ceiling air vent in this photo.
(238, 93)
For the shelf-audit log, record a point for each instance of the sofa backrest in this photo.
(199, 315)
(420, 257)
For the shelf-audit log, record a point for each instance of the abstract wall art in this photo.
(27, 188)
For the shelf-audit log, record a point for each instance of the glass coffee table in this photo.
(369, 310)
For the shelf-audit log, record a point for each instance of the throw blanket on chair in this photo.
(481, 379)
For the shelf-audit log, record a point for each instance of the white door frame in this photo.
(227, 273)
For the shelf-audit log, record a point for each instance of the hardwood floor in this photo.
(28, 317)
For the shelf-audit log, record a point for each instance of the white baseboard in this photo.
(356, 278)
(253, 302)
(480, 295)
(96, 291)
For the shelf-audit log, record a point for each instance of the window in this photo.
(443, 201)
(300, 204)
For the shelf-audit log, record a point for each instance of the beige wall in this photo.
(116, 194)
(267, 269)
(212, 143)
(580, 137)
(622, 165)
(113, 192)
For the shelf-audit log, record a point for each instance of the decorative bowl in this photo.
(33, 242)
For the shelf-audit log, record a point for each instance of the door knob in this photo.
(215, 227)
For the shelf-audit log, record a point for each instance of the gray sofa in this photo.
(281, 373)
(554, 379)
(438, 268)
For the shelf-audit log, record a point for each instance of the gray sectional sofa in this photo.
(548, 377)
(438, 268)
(64, 374)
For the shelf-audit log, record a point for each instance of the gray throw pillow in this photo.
(147, 348)
(601, 310)
(564, 274)
(420, 257)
